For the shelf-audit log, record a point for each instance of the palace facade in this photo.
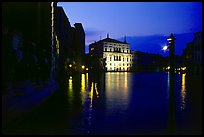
(111, 55)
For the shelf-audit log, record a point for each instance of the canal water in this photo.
(128, 103)
(116, 103)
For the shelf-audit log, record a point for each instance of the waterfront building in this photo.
(110, 55)
(148, 62)
(192, 54)
(70, 42)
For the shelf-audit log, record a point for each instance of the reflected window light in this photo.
(168, 84)
(97, 94)
(125, 82)
(87, 81)
(83, 88)
(70, 90)
(183, 92)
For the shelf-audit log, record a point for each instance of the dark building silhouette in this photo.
(64, 41)
(38, 43)
(79, 45)
(192, 54)
(148, 62)
(26, 49)
(71, 43)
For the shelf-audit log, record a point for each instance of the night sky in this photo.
(146, 25)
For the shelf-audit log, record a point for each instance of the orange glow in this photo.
(183, 68)
(183, 92)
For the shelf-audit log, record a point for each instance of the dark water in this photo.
(128, 103)
(116, 103)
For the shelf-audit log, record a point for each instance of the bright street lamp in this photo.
(165, 48)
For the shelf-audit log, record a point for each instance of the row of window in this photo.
(117, 50)
(118, 58)
(110, 64)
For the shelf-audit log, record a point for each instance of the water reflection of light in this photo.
(117, 80)
(90, 105)
(70, 90)
(125, 82)
(83, 88)
(87, 80)
(168, 84)
(96, 89)
(117, 91)
(183, 91)
(108, 79)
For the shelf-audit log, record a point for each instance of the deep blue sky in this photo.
(145, 24)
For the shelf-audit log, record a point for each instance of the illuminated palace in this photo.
(112, 55)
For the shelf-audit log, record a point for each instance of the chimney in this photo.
(125, 39)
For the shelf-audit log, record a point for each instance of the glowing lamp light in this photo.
(87, 68)
(183, 68)
(83, 67)
(169, 39)
(165, 48)
(70, 65)
(168, 67)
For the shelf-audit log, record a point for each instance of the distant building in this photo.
(192, 54)
(148, 62)
(197, 41)
(110, 55)
(188, 55)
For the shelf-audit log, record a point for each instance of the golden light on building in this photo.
(116, 54)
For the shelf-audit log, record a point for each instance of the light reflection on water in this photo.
(117, 94)
(122, 102)
(183, 91)
(70, 90)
